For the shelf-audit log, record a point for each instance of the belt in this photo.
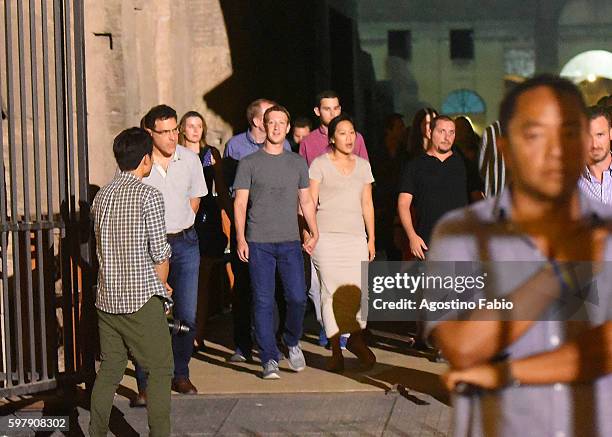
(180, 233)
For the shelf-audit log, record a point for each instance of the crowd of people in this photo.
(296, 211)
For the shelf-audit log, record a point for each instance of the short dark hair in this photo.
(333, 125)
(302, 122)
(557, 84)
(594, 112)
(277, 108)
(435, 120)
(159, 112)
(130, 146)
(327, 94)
(254, 108)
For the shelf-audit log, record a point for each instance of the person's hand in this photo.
(310, 244)
(242, 249)
(487, 376)
(417, 246)
(371, 250)
(168, 289)
(305, 235)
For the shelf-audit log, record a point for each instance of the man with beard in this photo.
(596, 179)
(437, 182)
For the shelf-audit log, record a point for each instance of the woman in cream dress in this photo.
(341, 184)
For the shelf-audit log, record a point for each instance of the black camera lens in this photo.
(178, 327)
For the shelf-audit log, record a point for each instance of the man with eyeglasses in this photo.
(177, 173)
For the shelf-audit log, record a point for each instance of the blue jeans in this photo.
(264, 259)
(183, 278)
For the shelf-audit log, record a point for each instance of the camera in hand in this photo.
(178, 327)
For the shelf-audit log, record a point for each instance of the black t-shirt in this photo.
(437, 187)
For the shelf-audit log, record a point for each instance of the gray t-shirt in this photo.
(273, 182)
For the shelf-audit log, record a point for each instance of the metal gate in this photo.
(46, 274)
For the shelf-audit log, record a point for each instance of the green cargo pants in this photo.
(146, 336)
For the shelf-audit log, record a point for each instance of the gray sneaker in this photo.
(270, 370)
(297, 362)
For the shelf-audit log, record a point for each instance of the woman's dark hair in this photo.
(415, 141)
(130, 146)
(182, 124)
(333, 125)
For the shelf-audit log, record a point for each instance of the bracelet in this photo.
(508, 377)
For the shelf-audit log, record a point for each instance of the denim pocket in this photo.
(191, 236)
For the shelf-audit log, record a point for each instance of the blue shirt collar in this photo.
(251, 140)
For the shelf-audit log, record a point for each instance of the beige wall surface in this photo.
(163, 51)
(583, 25)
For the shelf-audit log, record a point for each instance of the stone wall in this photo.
(148, 52)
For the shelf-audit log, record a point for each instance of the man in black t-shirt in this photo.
(435, 183)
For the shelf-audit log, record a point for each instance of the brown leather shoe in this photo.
(140, 400)
(184, 386)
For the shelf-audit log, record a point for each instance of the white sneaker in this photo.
(270, 370)
(296, 359)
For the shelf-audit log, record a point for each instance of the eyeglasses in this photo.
(167, 132)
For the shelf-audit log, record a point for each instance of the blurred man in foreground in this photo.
(533, 376)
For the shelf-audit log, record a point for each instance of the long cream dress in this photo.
(342, 245)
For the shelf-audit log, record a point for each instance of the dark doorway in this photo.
(341, 32)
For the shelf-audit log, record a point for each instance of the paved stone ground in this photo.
(401, 396)
(329, 414)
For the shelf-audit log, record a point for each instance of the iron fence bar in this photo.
(37, 176)
(35, 121)
(25, 161)
(63, 185)
(6, 334)
(73, 244)
(31, 226)
(4, 303)
(81, 113)
(14, 213)
(30, 388)
(49, 186)
(46, 80)
(88, 280)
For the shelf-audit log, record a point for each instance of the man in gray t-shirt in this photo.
(270, 182)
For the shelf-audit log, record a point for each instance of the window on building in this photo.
(462, 44)
(399, 44)
(462, 101)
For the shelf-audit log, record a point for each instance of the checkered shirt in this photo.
(131, 238)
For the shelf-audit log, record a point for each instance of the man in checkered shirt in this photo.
(134, 259)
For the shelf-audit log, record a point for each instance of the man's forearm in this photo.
(195, 204)
(308, 210)
(162, 271)
(239, 220)
(583, 359)
(403, 209)
(469, 343)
